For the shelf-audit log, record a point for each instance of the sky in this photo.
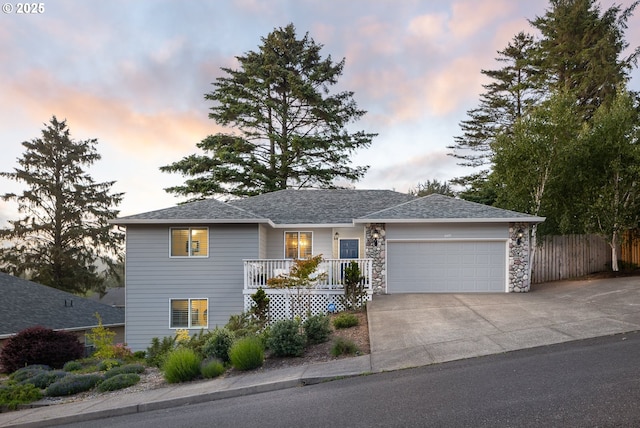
(133, 74)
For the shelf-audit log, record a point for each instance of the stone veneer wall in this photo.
(519, 275)
(378, 254)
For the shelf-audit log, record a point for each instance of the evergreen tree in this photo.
(430, 187)
(580, 51)
(292, 132)
(506, 98)
(64, 232)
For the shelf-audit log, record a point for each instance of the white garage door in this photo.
(446, 267)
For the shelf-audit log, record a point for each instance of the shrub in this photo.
(158, 351)
(109, 363)
(14, 394)
(218, 344)
(39, 345)
(129, 368)
(285, 339)
(73, 384)
(195, 342)
(317, 329)
(181, 365)
(45, 378)
(343, 346)
(345, 320)
(140, 355)
(121, 351)
(260, 307)
(247, 353)
(120, 381)
(211, 368)
(242, 325)
(28, 372)
(102, 339)
(72, 366)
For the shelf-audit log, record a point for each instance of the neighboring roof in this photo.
(27, 304)
(194, 212)
(444, 208)
(330, 207)
(113, 297)
(320, 206)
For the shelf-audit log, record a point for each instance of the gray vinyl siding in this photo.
(448, 231)
(153, 278)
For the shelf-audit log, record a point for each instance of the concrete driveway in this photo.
(408, 330)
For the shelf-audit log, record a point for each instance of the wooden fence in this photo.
(570, 256)
(630, 251)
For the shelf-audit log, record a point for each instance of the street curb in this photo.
(174, 402)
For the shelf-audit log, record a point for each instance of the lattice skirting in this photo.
(288, 304)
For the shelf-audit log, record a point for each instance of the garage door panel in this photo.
(417, 267)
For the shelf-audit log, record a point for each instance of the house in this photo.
(113, 297)
(28, 304)
(193, 265)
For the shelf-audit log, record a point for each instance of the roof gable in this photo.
(27, 304)
(437, 207)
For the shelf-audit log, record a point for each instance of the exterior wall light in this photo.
(375, 236)
(336, 236)
(519, 236)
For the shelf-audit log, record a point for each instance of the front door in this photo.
(349, 248)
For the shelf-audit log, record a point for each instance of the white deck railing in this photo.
(258, 272)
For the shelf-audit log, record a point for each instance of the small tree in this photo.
(102, 338)
(354, 292)
(302, 277)
(260, 308)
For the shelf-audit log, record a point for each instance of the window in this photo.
(189, 242)
(298, 245)
(189, 313)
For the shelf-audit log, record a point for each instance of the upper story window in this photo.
(298, 245)
(189, 242)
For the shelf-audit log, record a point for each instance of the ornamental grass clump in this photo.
(285, 339)
(345, 320)
(181, 365)
(247, 353)
(343, 346)
(211, 368)
(120, 381)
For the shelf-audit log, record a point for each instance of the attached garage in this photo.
(446, 266)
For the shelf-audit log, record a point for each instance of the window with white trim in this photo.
(298, 245)
(189, 313)
(189, 242)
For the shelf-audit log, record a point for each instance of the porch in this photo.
(323, 297)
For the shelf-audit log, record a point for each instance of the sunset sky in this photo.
(133, 74)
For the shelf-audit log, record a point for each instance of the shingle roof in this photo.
(329, 207)
(207, 209)
(27, 304)
(320, 206)
(440, 207)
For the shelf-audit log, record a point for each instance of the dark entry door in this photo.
(349, 248)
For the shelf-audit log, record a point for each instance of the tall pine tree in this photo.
(64, 232)
(291, 130)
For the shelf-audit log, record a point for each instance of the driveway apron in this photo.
(408, 330)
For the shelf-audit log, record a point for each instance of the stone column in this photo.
(378, 254)
(519, 281)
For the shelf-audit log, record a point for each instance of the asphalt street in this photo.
(594, 382)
